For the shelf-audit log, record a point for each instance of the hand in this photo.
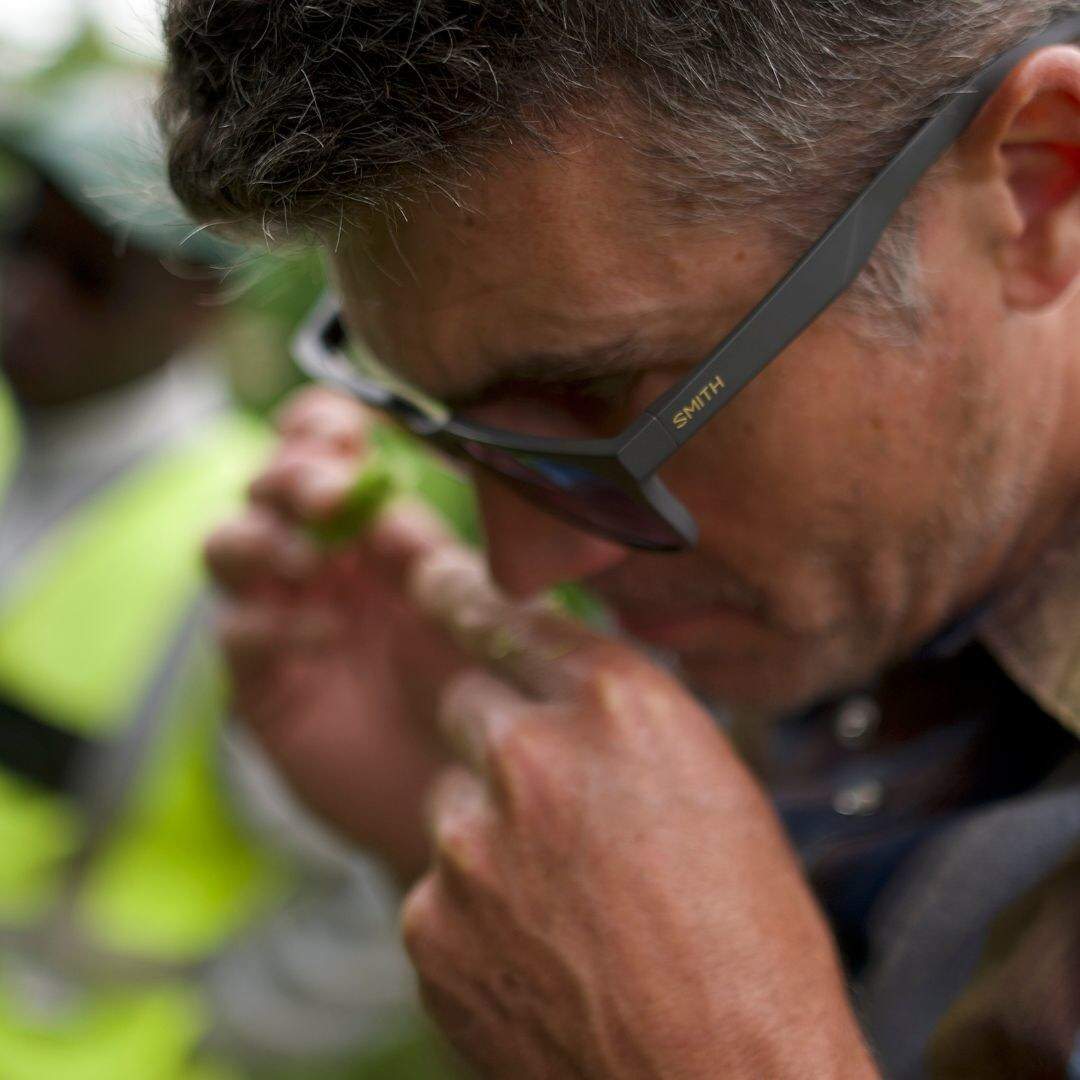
(612, 896)
(331, 666)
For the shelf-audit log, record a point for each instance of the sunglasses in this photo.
(610, 486)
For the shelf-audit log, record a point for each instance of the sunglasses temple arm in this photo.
(833, 263)
(320, 361)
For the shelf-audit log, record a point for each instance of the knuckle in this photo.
(290, 466)
(538, 782)
(522, 761)
(233, 533)
(325, 416)
(457, 843)
(298, 404)
(615, 675)
(450, 577)
(629, 700)
(614, 658)
(459, 825)
(460, 692)
(420, 915)
(285, 472)
(252, 547)
(463, 697)
(233, 529)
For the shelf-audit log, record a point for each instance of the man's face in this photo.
(853, 498)
(77, 315)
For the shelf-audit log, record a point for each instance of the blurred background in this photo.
(166, 911)
(42, 44)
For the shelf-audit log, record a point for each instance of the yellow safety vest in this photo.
(79, 638)
(80, 635)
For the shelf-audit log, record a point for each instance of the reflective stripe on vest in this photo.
(81, 634)
(9, 438)
(148, 1034)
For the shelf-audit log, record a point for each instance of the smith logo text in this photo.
(703, 397)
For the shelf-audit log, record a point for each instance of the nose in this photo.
(529, 550)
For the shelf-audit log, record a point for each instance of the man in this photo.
(129, 865)
(109, 702)
(544, 217)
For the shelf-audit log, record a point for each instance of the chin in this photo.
(757, 683)
(736, 656)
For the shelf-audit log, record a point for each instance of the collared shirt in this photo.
(938, 817)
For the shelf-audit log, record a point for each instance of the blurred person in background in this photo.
(159, 894)
(543, 218)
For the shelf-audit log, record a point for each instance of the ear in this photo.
(1026, 145)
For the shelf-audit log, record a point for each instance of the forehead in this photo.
(545, 253)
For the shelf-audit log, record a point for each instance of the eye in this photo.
(600, 405)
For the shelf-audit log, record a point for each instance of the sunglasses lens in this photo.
(576, 493)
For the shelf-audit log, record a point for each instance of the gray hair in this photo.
(287, 113)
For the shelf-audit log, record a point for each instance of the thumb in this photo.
(529, 643)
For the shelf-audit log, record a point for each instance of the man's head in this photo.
(77, 315)
(98, 280)
(548, 213)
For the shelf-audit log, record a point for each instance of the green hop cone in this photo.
(399, 465)
(373, 489)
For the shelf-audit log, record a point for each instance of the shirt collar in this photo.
(109, 430)
(1034, 632)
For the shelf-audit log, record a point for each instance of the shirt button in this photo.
(860, 799)
(857, 721)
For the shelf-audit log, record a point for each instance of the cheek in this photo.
(835, 443)
(777, 458)
(814, 482)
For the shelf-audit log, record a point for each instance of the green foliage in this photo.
(372, 489)
(89, 51)
(268, 295)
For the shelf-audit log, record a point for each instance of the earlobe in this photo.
(1027, 143)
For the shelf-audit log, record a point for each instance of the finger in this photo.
(406, 532)
(460, 817)
(427, 926)
(306, 486)
(326, 419)
(253, 636)
(258, 547)
(477, 711)
(539, 650)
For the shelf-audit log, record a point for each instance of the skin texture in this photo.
(610, 895)
(77, 317)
